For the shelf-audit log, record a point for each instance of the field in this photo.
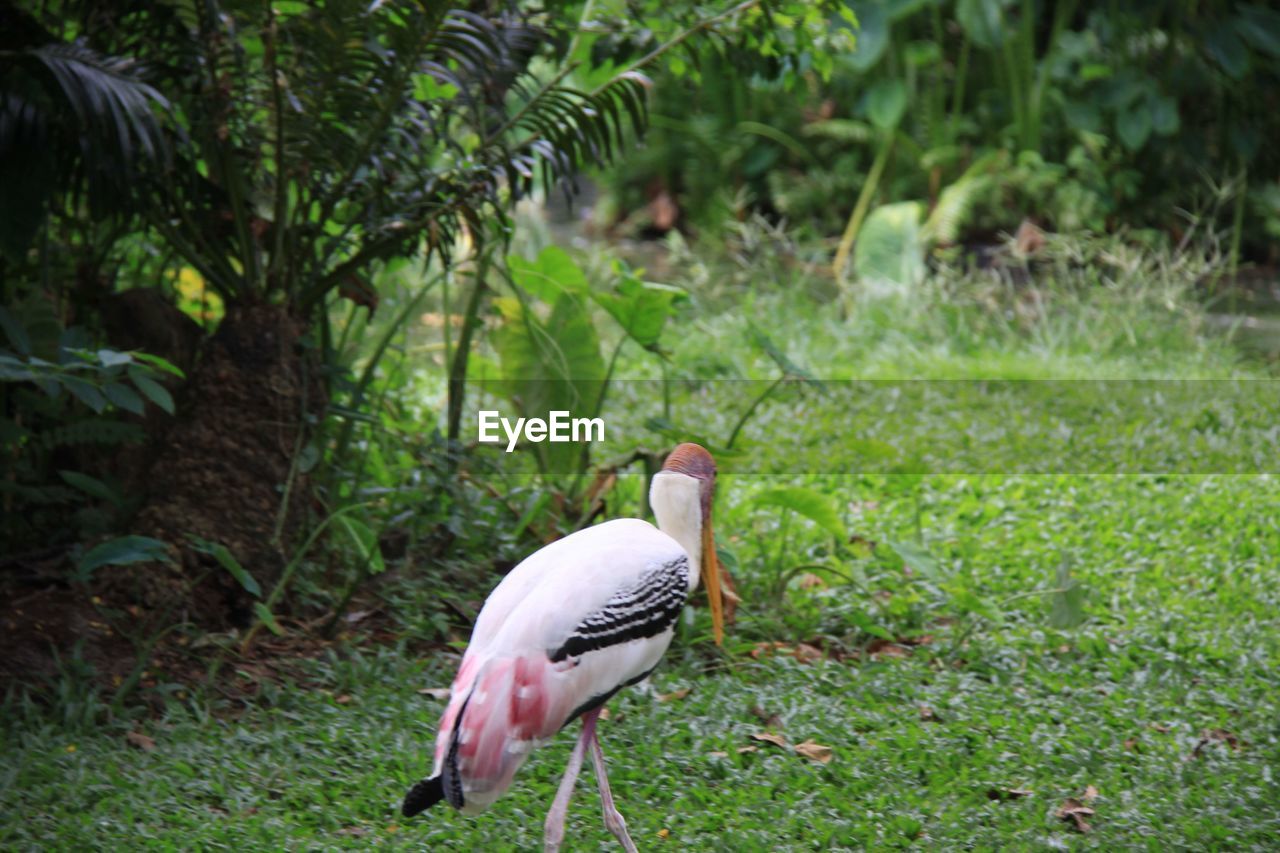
(964, 660)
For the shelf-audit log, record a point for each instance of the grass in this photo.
(1050, 633)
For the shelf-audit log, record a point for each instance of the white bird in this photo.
(566, 629)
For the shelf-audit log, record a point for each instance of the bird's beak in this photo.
(711, 580)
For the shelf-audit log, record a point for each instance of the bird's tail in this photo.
(423, 796)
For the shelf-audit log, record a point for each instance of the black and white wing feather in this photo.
(641, 610)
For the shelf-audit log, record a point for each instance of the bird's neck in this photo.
(677, 504)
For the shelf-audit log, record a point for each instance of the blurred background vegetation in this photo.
(259, 262)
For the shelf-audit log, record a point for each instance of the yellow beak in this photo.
(711, 580)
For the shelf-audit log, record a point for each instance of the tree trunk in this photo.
(222, 472)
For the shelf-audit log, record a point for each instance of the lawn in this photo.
(974, 650)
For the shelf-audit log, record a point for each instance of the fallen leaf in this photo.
(806, 653)
(769, 737)
(1133, 744)
(1007, 793)
(927, 715)
(1090, 793)
(815, 751)
(436, 692)
(141, 741)
(358, 616)
(344, 699)
(1209, 736)
(604, 714)
(1028, 239)
(664, 833)
(1160, 727)
(353, 831)
(717, 754)
(771, 721)
(885, 649)
(674, 695)
(1074, 812)
(743, 749)
(766, 649)
(808, 580)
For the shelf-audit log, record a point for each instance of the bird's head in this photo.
(682, 494)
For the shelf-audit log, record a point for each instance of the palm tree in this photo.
(282, 154)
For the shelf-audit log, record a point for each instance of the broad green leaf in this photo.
(873, 36)
(1164, 115)
(551, 365)
(1134, 126)
(818, 507)
(91, 486)
(886, 103)
(15, 332)
(124, 397)
(982, 21)
(890, 249)
(1082, 115)
(1066, 603)
(551, 274)
(642, 308)
(1260, 27)
(916, 558)
(266, 617)
(121, 552)
(228, 561)
(1227, 49)
(85, 392)
(156, 361)
(365, 542)
(155, 392)
(113, 358)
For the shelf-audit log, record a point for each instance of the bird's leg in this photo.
(554, 827)
(613, 819)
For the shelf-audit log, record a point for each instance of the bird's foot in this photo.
(616, 824)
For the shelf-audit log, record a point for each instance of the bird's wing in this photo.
(564, 631)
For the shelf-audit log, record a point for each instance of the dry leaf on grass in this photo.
(1090, 793)
(1074, 812)
(1007, 793)
(809, 580)
(1028, 239)
(141, 741)
(1133, 744)
(1160, 727)
(435, 692)
(1209, 736)
(604, 714)
(815, 751)
(745, 749)
(771, 721)
(344, 699)
(674, 695)
(664, 833)
(353, 831)
(769, 737)
(717, 754)
(806, 653)
(885, 649)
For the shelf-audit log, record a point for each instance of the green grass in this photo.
(1182, 597)
(1069, 631)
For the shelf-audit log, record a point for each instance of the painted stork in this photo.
(566, 629)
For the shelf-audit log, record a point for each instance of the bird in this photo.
(566, 629)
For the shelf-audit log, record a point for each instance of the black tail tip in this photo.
(422, 796)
